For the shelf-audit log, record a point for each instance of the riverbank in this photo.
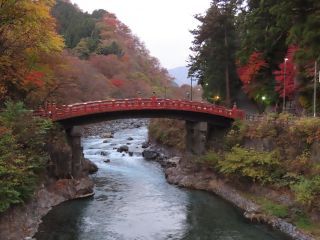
(206, 180)
(22, 222)
(181, 171)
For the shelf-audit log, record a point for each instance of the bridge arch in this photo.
(202, 119)
(91, 112)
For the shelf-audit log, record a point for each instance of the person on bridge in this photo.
(153, 98)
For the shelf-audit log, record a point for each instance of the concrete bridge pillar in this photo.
(74, 139)
(196, 138)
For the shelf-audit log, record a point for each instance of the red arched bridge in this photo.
(89, 112)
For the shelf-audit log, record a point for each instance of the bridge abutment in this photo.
(196, 137)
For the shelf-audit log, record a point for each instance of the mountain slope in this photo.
(106, 58)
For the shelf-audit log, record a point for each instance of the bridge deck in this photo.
(63, 112)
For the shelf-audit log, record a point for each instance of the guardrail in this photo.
(61, 112)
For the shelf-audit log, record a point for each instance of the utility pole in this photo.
(315, 90)
(284, 85)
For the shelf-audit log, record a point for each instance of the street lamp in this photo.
(284, 84)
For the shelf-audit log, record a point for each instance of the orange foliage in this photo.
(34, 78)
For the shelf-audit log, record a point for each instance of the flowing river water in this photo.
(133, 201)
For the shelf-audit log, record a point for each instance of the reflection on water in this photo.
(133, 201)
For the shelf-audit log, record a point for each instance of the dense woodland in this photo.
(55, 52)
(244, 44)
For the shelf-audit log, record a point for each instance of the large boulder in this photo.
(89, 166)
(150, 154)
(123, 148)
(145, 145)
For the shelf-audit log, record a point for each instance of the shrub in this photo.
(236, 134)
(22, 153)
(255, 165)
(307, 191)
(210, 159)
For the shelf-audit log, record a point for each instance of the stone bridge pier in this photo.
(196, 137)
(74, 140)
(202, 136)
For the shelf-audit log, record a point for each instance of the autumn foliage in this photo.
(34, 78)
(285, 77)
(249, 71)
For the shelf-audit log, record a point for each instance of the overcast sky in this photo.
(163, 25)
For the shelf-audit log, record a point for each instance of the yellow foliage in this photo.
(27, 30)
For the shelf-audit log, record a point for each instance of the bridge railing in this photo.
(60, 112)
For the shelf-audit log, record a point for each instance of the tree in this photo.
(113, 48)
(271, 27)
(214, 49)
(248, 73)
(259, 33)
(74, 25)
(26, 30)
(285, 77)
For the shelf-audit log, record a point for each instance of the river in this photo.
(133, 201)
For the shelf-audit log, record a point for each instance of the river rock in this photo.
(130, 139)
(104, 153)
(106, 161)
(123, 148)
(150, 154)
(145, 145)
(105, 141)
(171, 162)
(89, 166)
(130, 154)
(107, 135)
